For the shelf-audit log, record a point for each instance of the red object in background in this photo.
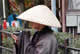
(2, 36)
(4, 24)
(13, 24)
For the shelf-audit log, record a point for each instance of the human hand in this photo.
(14, 37)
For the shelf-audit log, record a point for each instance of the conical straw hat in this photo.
(40, 14)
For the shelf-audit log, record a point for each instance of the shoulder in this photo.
(52, 37)
(48, 38)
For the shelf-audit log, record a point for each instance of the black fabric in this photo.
(24, 37)
(45, 36)
(36, 37)
(16, 48)
(38, 34)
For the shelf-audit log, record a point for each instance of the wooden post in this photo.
(63, 16)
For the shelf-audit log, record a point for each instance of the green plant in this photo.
(61, 37)
(13, 29)
(73, 41)
(76, 42)
(8, 42)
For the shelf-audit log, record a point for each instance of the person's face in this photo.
(36, 25)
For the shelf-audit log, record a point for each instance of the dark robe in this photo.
(43, 42)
